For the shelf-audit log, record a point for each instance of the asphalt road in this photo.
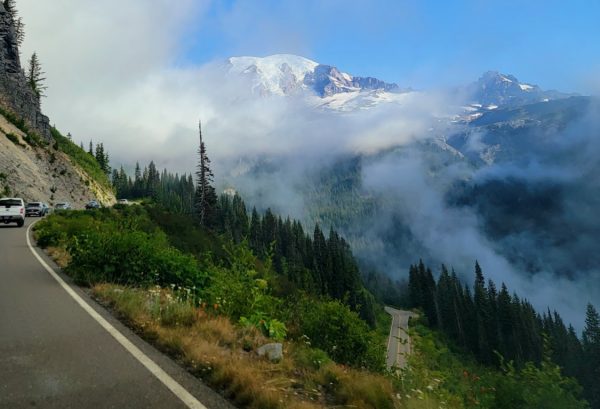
(399, 341)
(54, 354)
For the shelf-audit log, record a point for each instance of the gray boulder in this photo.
(273, 351)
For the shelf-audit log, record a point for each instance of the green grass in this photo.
(31, 137)
(86, 161)
(438, 376)
(14, 139)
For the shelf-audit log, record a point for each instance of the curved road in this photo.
(399, 341)
(55, 354)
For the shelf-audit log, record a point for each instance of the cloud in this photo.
(109, 66)
(115, 75)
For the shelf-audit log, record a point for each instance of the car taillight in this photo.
(22, 210)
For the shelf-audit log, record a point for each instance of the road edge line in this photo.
(179, 391)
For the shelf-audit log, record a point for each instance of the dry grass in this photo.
(223, 355)
(60, 256)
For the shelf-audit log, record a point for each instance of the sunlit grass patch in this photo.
(223, 354)
(60, 256)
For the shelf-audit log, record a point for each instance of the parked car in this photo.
(39, 209)
(92, 204)
(12, 210)
(62, 206)
(123, 201)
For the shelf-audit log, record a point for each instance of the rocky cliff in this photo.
(16, 95)
(32, 164)
(42, 173)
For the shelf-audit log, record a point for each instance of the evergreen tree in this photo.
(102, 158)
(591, 353)
(35, 76)
(152, 181)
(255, 233)
(16, 21)
(205, 198)
(138, 186)
(480, 299)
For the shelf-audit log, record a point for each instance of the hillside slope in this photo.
(43, 173)
(35, 162)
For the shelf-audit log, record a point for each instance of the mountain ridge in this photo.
(336, 90)
(286, 74)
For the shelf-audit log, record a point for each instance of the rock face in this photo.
(497, 89)
(34, 171)
(15, 93)
(273, 351)
(285, 74)
(326, 80)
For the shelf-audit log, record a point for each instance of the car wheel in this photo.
(20, 223)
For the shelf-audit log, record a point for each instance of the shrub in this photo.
(239, 290)
(120, 247)
(133, 258)
(334, 328)
(312, 358)
(34, 139)
(270, 327)
(86, 161)
(14, 139)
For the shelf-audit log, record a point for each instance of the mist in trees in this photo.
(491, 323)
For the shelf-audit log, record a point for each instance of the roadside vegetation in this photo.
(29, 136)
(213, 310)
(210, 302)
(439, 378)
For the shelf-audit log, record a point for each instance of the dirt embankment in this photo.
(43, 174)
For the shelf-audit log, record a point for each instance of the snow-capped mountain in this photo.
(495, 89)
(285, 74)
(326, 87)
(281, 74)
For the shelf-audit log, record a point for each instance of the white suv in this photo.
(12, 210)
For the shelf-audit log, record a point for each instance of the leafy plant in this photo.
(334, 328)
(270, 327)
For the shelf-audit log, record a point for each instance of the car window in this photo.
(34, 204)
(10, 202)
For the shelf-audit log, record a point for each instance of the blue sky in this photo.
(415, 43)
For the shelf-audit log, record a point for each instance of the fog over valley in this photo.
(490, 168)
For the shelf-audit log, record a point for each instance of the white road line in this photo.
(187, 398)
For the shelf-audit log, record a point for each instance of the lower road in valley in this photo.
(399, 341)
(59, 349)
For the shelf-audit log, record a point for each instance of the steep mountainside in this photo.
(511, 182)
(496, 89)
(32, 164)
(41, 173)
(323, 86)
(15, 94)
